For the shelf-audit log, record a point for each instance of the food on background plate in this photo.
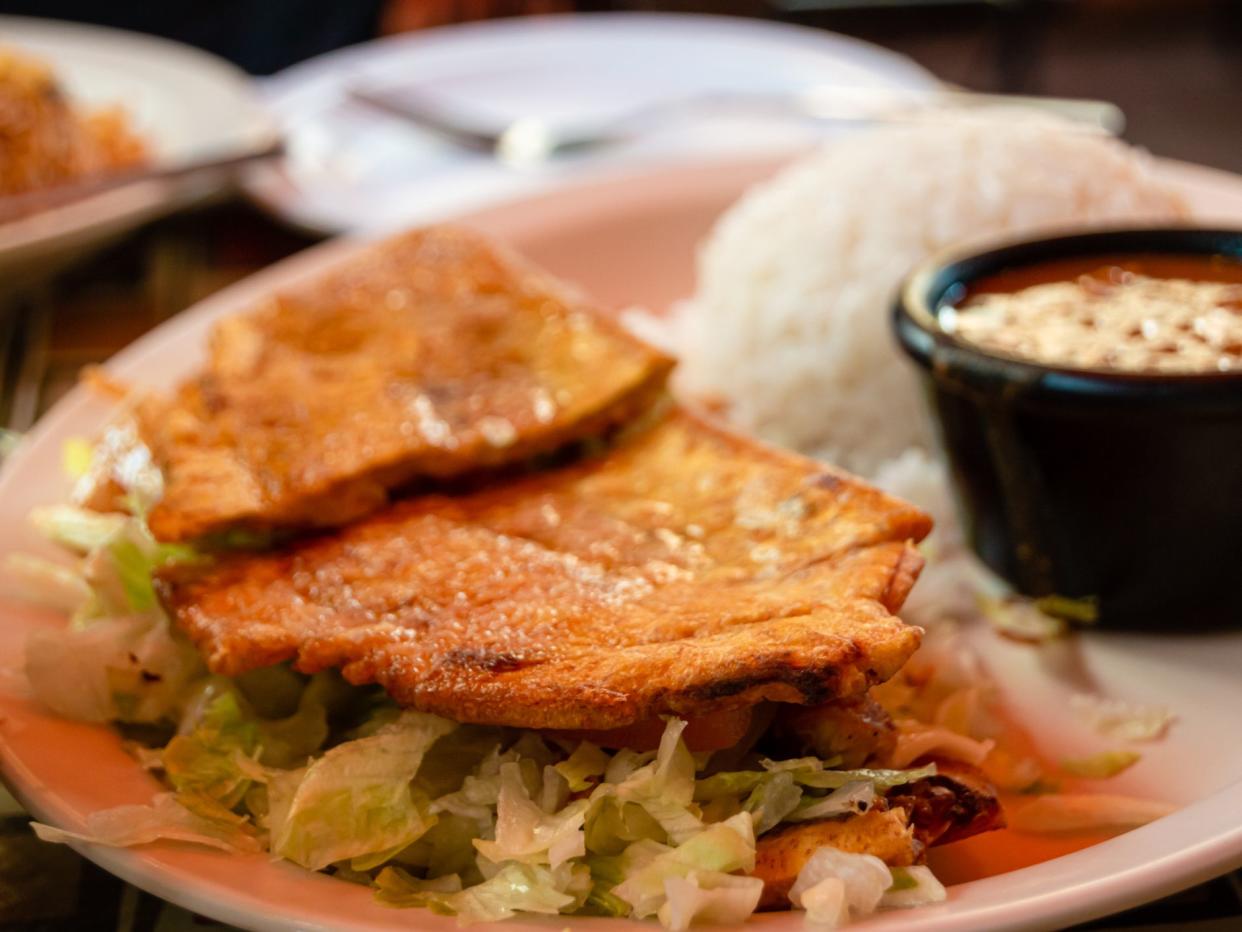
(630, 683)
(1141, 313)
(45, 140)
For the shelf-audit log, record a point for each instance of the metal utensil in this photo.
(17, 206)
(530, 140)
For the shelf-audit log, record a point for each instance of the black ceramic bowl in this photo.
(1125, 488)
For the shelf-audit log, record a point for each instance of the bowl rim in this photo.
(916, 309)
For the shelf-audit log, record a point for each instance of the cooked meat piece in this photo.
(856, 730)
(956, 803)
(431, 354)
(688, 571)
(780, 855)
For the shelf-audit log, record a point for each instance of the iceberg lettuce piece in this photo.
(125, 669)
(526, 833)
(835, 884)
(613, 825)
(583, 768)
(913, 886)
(515, 888)
(851, 798)
(882, 780)
(664, 787)
(1101, 766)
(356, 799)
(78, 529)
(773, 800)
(398, 888)
(749, 787)
(165, 818)
(708, 897)
(47, 583)
(206, 761)
(721, 848)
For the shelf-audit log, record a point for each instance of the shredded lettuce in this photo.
(356, 799)
(76, 529)
(781, 791)
(125, 669)
(1084, 611)
(774, 800)
(825, 903)
(208, 761)
(722, 848)
(880, 779)
(708, 897)
(1120, 720)
(398, 888)
(663, 787)
(514, 888)
(119, 660)
(526, 833)
(835, 886)
(913, 886)
(584, 767)
(167, 818)
(1101, 766)
(849, 799)
(47, 583)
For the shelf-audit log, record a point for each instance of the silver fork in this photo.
(531, 140)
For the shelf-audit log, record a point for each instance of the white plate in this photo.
(628, 241)
(349, 168)
(186, 103)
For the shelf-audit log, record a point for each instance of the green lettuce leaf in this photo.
(206, 761)
(515, 888)
(526, 833)
(664, 787)
(583, 767)
(721, 848)
(356, 799)
(397, 888)
(708, 897)
(167, 817)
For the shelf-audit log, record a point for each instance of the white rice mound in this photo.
(789, 327)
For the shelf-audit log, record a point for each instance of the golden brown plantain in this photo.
(688, 571)
(430, 354)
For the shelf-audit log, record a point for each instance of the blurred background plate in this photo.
(187, 104)
(351, 167)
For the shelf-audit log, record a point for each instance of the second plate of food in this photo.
(168, 103)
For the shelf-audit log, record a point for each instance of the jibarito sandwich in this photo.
(629, 679)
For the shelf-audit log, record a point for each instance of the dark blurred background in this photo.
(1174, 66)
